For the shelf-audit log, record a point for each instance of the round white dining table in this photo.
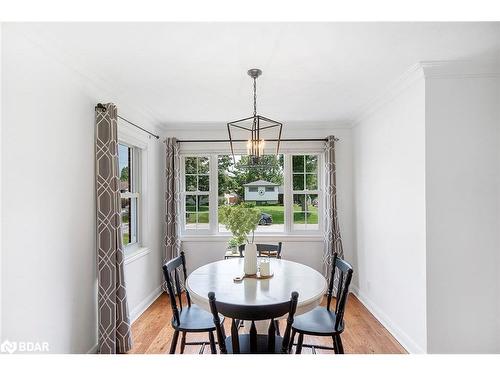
(287, 277)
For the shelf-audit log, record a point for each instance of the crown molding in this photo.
(221, 126)
(460, 69)
(428, 70)
(413, 74)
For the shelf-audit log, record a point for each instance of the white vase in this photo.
(250, 263)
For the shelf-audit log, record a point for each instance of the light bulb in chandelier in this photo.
(249, 147)
(260, 146)
(255, 147)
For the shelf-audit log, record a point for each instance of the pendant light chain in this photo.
(256, 143)
(254, 137)
(254, 97)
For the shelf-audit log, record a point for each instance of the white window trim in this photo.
(213, 229)
(211, 192)
(272, 237)
(137, 254)
(318, 192)
(139, 248)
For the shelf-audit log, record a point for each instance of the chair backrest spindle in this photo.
(171, 271)
(342, 270)
(188, 297)
(265, 248)
(178, 288)
(269, 250)
(253, 314)
(339, 290)
(330, 283)
(343, 300)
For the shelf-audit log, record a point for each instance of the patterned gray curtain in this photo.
(172, 174)
(333, 240)
(113, 316)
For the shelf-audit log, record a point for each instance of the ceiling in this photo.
(196, 72)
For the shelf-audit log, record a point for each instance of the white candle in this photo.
(265, 268)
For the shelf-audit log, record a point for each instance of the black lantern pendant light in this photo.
(257, 125)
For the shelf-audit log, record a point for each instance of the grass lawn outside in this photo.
(299, 217)
(277, 212)
(191, 217)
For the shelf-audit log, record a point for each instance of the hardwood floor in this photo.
(152, 332)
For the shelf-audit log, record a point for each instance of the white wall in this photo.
(463, 213)
(389, 184)
(308, 249)
(48, 213)
(427, 197)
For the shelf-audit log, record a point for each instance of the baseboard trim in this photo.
(137, 311)
(410, 345)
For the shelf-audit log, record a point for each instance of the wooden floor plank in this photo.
(152, 332)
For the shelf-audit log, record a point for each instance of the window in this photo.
(128, 161)
(286, 191)
(305, 192)
(196, 192)
(256, 186)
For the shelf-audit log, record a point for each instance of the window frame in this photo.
(306, 191)
(184, 193)
(137, 188)
(213, 227)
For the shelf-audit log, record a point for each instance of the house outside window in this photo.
(261, 191)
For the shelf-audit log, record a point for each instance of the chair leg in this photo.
(339, 344)
(335, 346)
(292, 338)
(277, 327)
(173, 344)
(298, 350)
(213, 349)
(183, 341)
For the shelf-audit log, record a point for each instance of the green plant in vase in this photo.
(242, 220)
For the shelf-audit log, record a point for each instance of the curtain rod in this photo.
(101, 106)
(246, 140)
